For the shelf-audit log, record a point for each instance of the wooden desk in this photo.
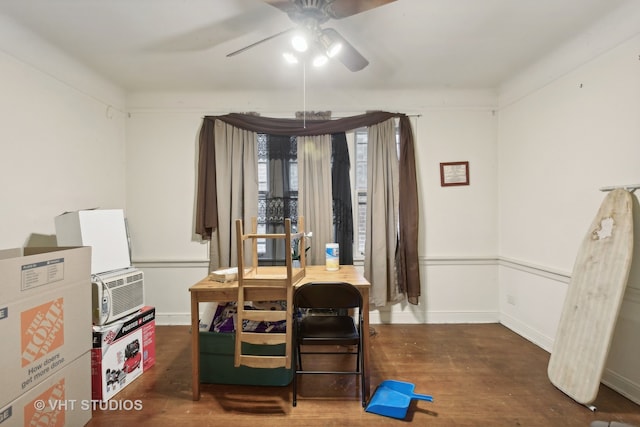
(208, 290)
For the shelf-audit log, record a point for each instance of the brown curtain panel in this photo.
(206, 203)
(408, 269)
(206, 196)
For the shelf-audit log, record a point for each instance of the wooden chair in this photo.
(275, 282)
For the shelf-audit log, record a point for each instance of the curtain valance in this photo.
(298, 127)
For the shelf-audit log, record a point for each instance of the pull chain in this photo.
(304, 94)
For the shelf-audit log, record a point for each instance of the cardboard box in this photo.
(104, 230)
(25, 272)
(63, 399)
(121, 352)
(216, 362)
(41, 335)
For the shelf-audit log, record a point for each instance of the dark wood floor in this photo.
(478, 375)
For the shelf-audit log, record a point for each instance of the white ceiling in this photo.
(166, 45)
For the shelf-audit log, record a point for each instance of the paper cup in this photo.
(332, 251)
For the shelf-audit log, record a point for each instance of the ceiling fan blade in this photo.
(344, 8)
(259, 42)
(348, 55)
(220, 30)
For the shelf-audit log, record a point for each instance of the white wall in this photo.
(62, 139)
(558, 143)
(458, 237)
(557, 146)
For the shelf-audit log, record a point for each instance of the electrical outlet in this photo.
(511, 299)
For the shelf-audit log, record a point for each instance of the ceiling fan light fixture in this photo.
(320, 60)
(334, 49)
(290, 58)
(299, 43)
(330, 46)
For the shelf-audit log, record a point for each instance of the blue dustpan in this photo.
(392, 399)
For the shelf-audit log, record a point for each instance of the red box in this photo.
(121, 352)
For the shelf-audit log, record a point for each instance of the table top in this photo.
(313, 273)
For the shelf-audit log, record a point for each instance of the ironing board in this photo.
(593, 300)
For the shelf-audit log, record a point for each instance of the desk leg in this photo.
(365, 344)
(195, 347)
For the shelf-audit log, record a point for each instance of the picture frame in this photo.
(454, 173)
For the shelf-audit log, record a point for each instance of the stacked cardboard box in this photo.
(59, 400)
(45, 315)
(105, 230)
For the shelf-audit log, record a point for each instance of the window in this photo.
(359, 166)
(287, 203)
(358, 149)
(276, 200)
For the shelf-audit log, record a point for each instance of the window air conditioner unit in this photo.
(117, 294)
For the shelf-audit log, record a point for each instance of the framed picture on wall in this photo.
(454, 173)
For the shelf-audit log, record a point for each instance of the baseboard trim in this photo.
(173, 319)
(622, 385)
(530, 334)
(434, 317)
(377, 317)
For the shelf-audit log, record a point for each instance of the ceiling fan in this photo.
(308, 16)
